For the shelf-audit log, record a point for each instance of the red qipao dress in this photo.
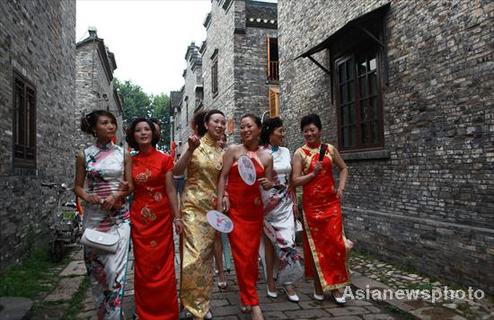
(246, 212)
(152, 238)
(323, 221)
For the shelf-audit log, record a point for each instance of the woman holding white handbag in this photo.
(100, 169)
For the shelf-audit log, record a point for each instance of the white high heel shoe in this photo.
(339, 300)
(271, 294)
(318, 297)
(293, 298)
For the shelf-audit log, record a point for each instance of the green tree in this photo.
(161, 111)
(137, 103)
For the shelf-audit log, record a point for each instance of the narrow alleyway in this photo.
(72, 297)
(226, 304)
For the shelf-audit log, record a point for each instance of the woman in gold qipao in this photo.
(202, 158)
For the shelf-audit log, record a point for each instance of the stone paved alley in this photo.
(366, 271)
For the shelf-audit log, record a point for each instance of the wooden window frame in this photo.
(272, 67)
(355, 84)
(23, 152)
(274, 101)
(358, 46)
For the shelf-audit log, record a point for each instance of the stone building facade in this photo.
(95, 65)
(37, 104)
(404, 89)
(239, 59)
(175, 107)
(191, 96)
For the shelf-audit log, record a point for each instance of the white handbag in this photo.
(104, 241)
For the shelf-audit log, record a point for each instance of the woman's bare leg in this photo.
(270, 261)
(218, 258)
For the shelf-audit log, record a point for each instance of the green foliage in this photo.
(137, 103)
(31, 278)
(75, 304)
(161, 111)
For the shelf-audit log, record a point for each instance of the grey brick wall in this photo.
(251, 86)
(192, 96)
(36, 40)
(242, 58)
(220, 37)
(430, 203)
(93, 89)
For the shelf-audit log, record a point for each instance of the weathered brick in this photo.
(429, 200)
(95, 65)
(37, 41)
(280, 306)
(348, 311)
(241, 48)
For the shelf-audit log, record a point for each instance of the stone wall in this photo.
(251, 85)
(429, 201)
(220, 38)
(192, 97)
(242, 58)
(175, 105)
(94, 90)
(37, 41)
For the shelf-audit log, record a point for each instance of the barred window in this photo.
(214, 77)
(24, 123)
(272, 68)
(358, 99)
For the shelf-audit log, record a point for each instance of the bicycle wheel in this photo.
(56, 250)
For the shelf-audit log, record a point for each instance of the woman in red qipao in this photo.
(155, 203)
(322, 210)
(245, 208)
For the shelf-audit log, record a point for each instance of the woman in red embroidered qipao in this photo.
(312, 169)
(155, 204)
(245, 208)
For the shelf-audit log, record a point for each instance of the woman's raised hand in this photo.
(193, 142)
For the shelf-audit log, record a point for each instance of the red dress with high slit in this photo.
(246, 212)
(325, 243)
(152, 238)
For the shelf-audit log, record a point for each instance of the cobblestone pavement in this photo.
(367, 272)
(396, 279)
(226, 303)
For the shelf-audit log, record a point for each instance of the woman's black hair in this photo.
(255, 118)
(89, 121)
(132, 129)
(197, 122)
(211, 112)
(201, 118)
(155, 121)
(310, 119)
(268, 127)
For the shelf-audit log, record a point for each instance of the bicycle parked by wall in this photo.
(65, 222)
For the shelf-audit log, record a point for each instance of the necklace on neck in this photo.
(218, 164)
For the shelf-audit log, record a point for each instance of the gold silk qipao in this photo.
(198, 236)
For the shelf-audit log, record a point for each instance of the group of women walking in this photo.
(263, 213)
